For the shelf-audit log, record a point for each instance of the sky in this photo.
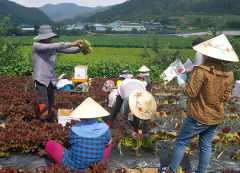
(86, 3)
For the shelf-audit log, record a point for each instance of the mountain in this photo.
(22, 15)
(81, 17)
(138, 10)
(63, 11)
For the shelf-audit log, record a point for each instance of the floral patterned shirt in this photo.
(210, 85)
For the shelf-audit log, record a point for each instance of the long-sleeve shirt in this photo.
(128, 85)
(210, 85)
(44, 58)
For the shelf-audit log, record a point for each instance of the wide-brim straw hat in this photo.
(89, 108)
(142, 104)
(126, 75)
(219, 48)
(45, 32)
(144, 69)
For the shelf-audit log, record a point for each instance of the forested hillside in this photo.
(139, 10)
(63, 11)
(22, 15)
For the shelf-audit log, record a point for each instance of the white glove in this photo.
(181, 78)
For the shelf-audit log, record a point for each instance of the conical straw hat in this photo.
(219, 48)
(144, 69)
(142, 104)
(89, 108)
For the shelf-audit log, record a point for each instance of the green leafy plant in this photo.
(85, 47)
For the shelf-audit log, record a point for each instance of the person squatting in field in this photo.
(137, 120)
(89, 139)
(43, 59)
(210, 85)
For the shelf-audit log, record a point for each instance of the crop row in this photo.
(14, 101)
(100, 69)
(112, 41)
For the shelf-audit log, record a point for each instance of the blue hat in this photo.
(126, 75)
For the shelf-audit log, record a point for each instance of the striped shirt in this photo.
(84, 151)
(210, 85)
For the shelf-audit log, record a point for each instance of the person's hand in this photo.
(133, 134)
(181, 78)
(188, 71)
(75, 43)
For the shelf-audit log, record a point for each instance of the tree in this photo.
(36, 28)
(160, 54)
(92, 28)
(86, 27)
(59, 28)
(134, 31)
(217, 26)
(5, 26)
(10, 51)
(108, 30)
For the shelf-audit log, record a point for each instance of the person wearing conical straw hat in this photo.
(142, 78)
(89, 139)
(197, 60)
(145, 71)
(210, 85)
(121, 105)
(143, 107)
(43, 59)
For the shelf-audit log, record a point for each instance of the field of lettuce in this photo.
(109, 57)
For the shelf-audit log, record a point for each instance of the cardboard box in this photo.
(63, 116)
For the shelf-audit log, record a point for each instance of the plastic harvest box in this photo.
(79, 80)
(65, 88)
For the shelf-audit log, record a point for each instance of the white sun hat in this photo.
(89, 108)
(142, 104)
(143, 69)
(219, 48)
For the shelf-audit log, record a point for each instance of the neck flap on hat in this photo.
(90, 128)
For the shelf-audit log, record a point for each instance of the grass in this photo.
(126, 55)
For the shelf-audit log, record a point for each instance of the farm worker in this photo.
(142, 78)
(145, 71)
(89, 139)
(197, 60)
(122, 76)
(236, 95)
(109, 86)
(44, 58)
(143, 107)
(124, 90)
(210, 85)
(118, 103)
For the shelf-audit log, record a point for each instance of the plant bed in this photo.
(22, 136)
